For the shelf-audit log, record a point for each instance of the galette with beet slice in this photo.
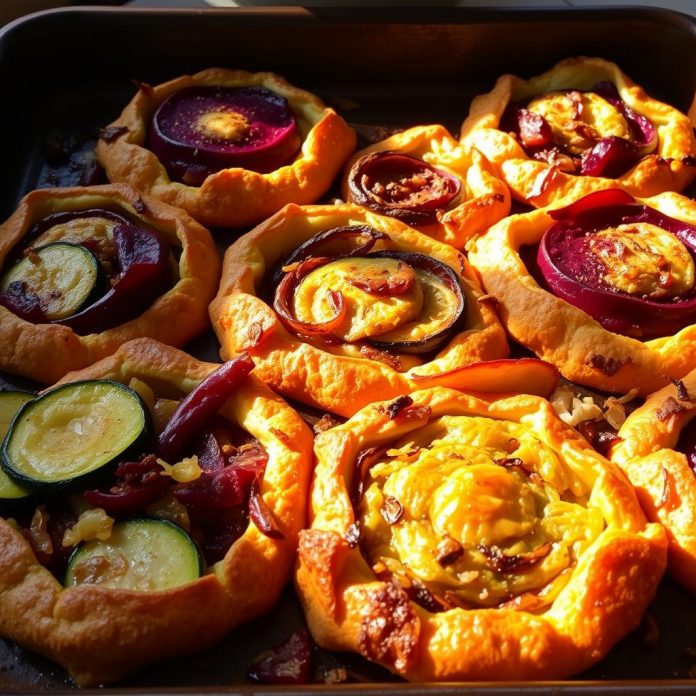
(230, 147)
(603, 287)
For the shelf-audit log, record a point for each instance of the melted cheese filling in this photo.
(577, 126)
(367, 314)
(223, 125)
(481, 487)
(644, 260)
(98, 231)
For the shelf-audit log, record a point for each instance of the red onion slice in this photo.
(202, 130)
(286, 291)
(402, 187)
(574, 275)
(332, 243)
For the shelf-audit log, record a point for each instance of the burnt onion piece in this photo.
(201, 130)
(609, 157)
(402, 187)
(565, 269)
(286, 289)
(687, 443)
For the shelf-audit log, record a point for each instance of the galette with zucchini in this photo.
(147, 492)
(86, 269)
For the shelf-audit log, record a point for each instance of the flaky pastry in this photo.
(579, 127)
(456, 538)
(656, 451)
(339, 306)
(425, 178)
(231, 196)
(627, 262)
(45, 351)
(101, 633)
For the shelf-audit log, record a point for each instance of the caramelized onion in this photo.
(609, 156)
(574, 276)
(402, 187)
(201, 130)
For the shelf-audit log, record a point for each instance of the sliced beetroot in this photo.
(401, 186)
(201, 130)
(144, 274)
(574, 273)
(608, 157)
(287, 662)
(201, 405)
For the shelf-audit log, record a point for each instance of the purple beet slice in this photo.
(572, 262)
(402, 187)
(202, 130)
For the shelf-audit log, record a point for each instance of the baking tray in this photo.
(65, 73)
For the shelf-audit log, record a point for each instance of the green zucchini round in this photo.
(65, 277)
(141, 554)
(74, 434)
(10, 403)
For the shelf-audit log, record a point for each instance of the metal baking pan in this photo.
(65, 73)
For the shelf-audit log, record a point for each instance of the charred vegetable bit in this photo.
(287, 662)
(200, 405)
(592, 132)
(627, 265)
(403, 187)
(201, 130)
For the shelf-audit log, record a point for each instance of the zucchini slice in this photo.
(141, 554)
(65, 277)
(70, 435)
(10, 403)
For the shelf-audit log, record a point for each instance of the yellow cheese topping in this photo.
(223, 125)
(574, 131)
(644, 260)
(368, 314)
(426, 308)
(488, 512)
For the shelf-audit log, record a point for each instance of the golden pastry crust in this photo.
(564, 335)
(539, 184)
(343, 383)
(232, 197)
(484, 199)
(102, 634)
(662, 477)
(602, 594)
(45, 352)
